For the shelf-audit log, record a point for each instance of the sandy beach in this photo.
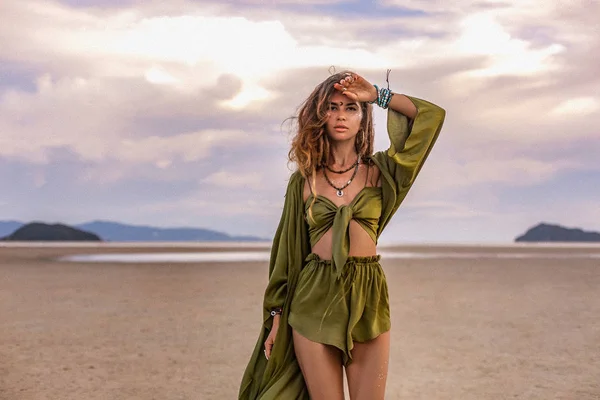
(463, 328)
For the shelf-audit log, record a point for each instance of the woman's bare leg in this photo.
(367, 373)
(321, 366)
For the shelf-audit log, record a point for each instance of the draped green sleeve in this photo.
(410, 144)
(290, 246)
(280, 377)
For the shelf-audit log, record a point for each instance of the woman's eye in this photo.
(352, 108)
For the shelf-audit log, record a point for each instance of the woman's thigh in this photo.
(367, 373)
(321, 366)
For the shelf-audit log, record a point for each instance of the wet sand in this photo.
(525, 328)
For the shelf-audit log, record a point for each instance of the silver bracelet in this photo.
(276, 311)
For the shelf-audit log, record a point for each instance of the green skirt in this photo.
(339, 312)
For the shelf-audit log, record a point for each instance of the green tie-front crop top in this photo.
(365, 209)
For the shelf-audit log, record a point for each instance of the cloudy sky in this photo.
(170, 113)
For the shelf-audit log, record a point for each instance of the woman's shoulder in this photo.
(373, 172)
(295, 182)
(296, 178)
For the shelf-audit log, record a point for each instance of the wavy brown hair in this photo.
(310, 146)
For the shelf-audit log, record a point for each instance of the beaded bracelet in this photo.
(384, 96)
(377, 98)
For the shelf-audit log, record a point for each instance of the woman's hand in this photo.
(356, 88)
(271, 338)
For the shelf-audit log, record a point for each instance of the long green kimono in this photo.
(280, 377)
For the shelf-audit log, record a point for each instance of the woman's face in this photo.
(344, 118)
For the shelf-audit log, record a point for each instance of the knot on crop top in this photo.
(365, 209)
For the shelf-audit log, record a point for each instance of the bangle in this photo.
(275, 311)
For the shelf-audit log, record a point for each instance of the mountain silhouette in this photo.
(555, 233)
(119, 232)
(39, 231)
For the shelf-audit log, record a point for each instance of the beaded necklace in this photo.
(340, 190)
(343, 171)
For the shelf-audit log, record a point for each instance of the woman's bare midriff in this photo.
(361, 243)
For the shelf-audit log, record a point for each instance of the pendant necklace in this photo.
(340, 190)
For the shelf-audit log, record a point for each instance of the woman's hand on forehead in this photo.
(356, 88)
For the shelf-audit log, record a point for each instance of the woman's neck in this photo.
(343, 154)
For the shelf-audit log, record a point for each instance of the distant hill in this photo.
(117, 232)
(556, 233)
(38, 231)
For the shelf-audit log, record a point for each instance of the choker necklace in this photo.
(346, 170)
(340, 190)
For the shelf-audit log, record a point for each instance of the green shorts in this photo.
(339, 312)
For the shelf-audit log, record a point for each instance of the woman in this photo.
(326, 304)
